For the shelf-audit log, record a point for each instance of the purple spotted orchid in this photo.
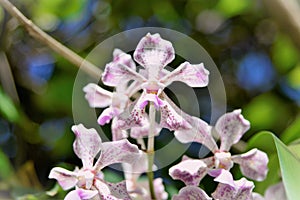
(153, 54)
(227, 189)
(230, 127)
(117, 101)
(89, 180)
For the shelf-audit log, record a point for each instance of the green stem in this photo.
(150, 149)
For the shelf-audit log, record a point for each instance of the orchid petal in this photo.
(96, 96)
(106, 115)
(191, 193)
(65, 178)
(132, 118)
(112, 191)
(171, 119)
(143, 131)
(121, 57)
(152, 98)
(115, 74)
(133, 170)
(159, 188)
(256, 196)
(253, 164)
(81, 194)
(117, 152)
(153, 51)
(189, 171)
(276, 192)
(199, 133)
(229, 189)
(231, 127)
(222, 176)
(117, 133)
(87, 144)
(192, 75)
(118, 190)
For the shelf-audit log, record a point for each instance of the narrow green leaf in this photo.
(290, 165)
(288, 160)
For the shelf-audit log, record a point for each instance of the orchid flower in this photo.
(89, 181)
(230, 127)
(153, 54)
(117, 101)
(227, 189)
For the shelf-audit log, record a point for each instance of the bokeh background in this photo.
(254, 44)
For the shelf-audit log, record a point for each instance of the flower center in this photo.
(223, 160)
(152, 88)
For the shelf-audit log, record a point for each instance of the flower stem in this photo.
(150, 149)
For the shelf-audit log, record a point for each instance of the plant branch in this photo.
(46, 39)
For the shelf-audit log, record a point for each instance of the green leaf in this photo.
(288, 160)
(292, 132)
(295, 148)
(7, 108)
(290, 165)
(263, 141)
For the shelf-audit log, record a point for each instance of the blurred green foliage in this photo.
(241, 37)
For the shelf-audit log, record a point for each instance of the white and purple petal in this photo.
(81, 194)
(96, 96)
(191, 193)
(171, 119)
(231, 127)
(200, 133)
(223, 160)
(117, 133)
(253, 164)
(86, 145)
(153, 50)
(106, 115)
(65, 178)
(189, 171)
(115, 74)
(121, 57)
(192, 75)
(229, 189)
(276, 192)
(117, 152)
